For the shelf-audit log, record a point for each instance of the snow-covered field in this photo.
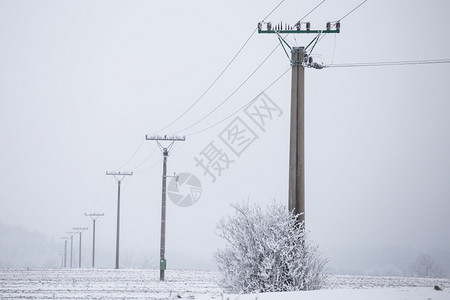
(145, 284)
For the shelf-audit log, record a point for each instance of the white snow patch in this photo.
(202, 285)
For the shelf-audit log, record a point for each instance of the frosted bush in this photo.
(267, 251)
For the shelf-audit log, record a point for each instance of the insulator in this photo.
(338, 25)
(308, 26)
(310, 60)
(298, 26)
(328, 26)
(259, 26)
(269, 26)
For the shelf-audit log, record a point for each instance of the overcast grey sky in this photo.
(82, 82)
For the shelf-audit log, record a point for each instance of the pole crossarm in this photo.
(279, 28)
(78, 229)
(119, 175)
(94, 215)
(164, 138)
(306, 59)
(159, 138)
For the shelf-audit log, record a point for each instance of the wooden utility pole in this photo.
(297, 136)
(119, 177)
(165, 152)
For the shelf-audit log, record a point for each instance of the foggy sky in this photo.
(83, 82)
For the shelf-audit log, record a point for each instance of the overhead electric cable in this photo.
(391, 63)
(311, 10)
(211, 85)
(145, 159)
(273, 10)
(353, 10)
(347, 14)
(241, 108)
(149, 167)
(231, 95)
(218, 77)
(132, 156)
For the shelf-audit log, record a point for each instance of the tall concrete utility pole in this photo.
(297, 136)
(80, 231)
(119, 176)
(94, 217)
(165, 152)
(299, 60)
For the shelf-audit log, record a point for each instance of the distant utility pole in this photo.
(94, 217)
(299, 60)
(165, 152)
(119, 176)
(71, 246)
(80, 231)
(65, 251)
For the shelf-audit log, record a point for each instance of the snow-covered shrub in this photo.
(267, 251)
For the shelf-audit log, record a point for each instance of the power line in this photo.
(346, 15)
(231, 95)
(241, 108)
(149, 167)
(211, 85)
(203, 94)
(311, 11)
(353, 10)
(220, 75)
(132, 156)
(226, 99)
(145, 159)
(391, 63)
(273, 10)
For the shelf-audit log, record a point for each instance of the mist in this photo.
(82, 83)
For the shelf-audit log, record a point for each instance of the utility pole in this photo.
(65, 251)
(165, 152)
(71, 246)
(80, 231)
(300, 58)
(119, 176)
(94, 217)
(297, 136)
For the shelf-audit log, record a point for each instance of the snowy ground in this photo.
(145, 284)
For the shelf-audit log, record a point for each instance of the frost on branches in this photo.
(267, 251)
